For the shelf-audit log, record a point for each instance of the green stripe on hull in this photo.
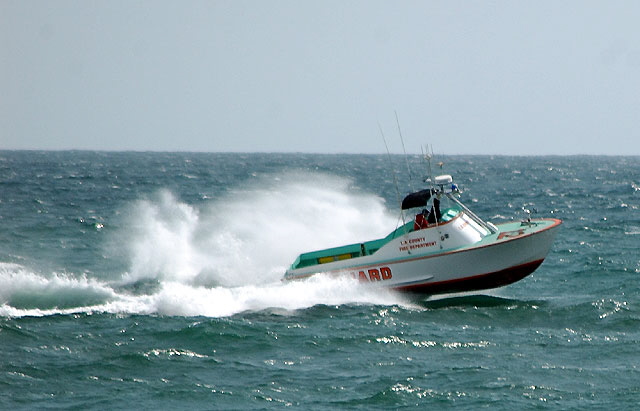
(370, 247)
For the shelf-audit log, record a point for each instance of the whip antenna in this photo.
(406, 160)
(395, 177)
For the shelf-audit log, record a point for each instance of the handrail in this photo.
(474, 217)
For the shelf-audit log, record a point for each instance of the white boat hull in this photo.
(484, 266)
(409, 263)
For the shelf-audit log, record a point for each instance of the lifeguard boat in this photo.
(446, 248)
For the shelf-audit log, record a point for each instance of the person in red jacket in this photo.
(421, 220)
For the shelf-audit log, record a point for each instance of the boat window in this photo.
(448, 209)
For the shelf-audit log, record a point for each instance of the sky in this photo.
(466, 77)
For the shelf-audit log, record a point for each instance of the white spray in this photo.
(229, 255)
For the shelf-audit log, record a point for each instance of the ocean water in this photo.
(152, 280)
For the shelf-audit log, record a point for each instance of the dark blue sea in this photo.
(152, 280)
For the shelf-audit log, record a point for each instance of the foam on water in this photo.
(22, 288)
(251, 235)
(225, 257)
(174, 298)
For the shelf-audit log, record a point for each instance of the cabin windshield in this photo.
(438, 204)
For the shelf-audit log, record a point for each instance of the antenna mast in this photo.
(406, 160)
(428, 156)
(395, 177)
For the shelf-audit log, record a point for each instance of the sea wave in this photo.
(225, 257)
(27, 293)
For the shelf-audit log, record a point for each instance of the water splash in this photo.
(221, 259)
(250, 236)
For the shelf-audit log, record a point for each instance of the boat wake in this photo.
(32, 294)
(224, 258)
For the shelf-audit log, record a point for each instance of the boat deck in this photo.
(346, 252)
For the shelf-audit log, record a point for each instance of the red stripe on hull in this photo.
(477, 282)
